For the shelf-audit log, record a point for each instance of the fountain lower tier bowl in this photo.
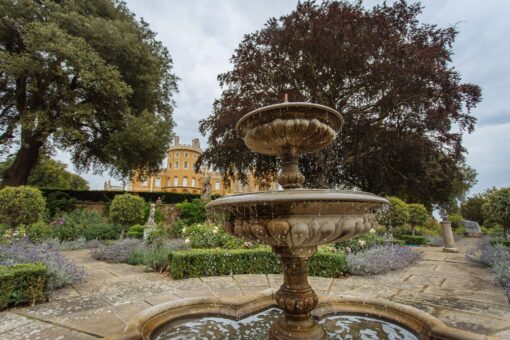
(298, 218)
(338, 315)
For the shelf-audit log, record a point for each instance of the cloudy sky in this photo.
(201, 36)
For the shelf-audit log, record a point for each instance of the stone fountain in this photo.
(295, 221)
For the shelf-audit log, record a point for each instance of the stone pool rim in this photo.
(146, 324)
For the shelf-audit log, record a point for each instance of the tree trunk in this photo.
(506, 232)
(122, 231)
(25, 161)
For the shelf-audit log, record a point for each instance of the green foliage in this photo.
(21, 205)
(159, 217)
(154, 258)
(176, 228)
(414, 240)
(83, 223)
(201, 235)
(418, 215)
(192, 212)
(506, 243)
(498, 208)
(39, 231)
(50, 173)
(58, 201)
(127, 209)
(22, 284)
(472, 210)
(91, 79)
(108, 196)
(456, 221)
(212, 262)
(135, 231)
(364, 241)
(396, 214)
(328, 264)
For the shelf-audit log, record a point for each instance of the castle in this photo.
(180, 176)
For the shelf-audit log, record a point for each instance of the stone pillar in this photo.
(449, 241)
(296, 297)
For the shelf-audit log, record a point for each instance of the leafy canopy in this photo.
(50, 173)
(85, 76)
(498, 208)
(405, 107)
(418, 214)
(395, 214)
(127, 209)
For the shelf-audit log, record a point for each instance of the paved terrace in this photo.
(444, 285)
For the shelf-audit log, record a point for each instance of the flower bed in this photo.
(22, 284)
(380, 259)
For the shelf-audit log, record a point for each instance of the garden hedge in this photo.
(212, 262)
(506, 243)
(107, 196)
(22, 284)
(414, 240)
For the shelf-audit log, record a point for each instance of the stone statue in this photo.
(206, 188)
(150, 225)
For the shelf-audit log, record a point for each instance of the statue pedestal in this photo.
(449, 241)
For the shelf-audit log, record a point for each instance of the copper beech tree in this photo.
(404, 105)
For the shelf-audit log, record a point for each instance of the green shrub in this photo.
(21, 205)
(455, 219)
(498, 209)
(396, 214)
(58, 202)
(176, 228)
(414, 240)
(212, 262)
(127, 209)
(364, 241)
(39, 231)
(201, 235)
(135, 231)
(22, 284)
(506, 243)
(108, 196)
(83, 223)
(418, 215)
(191, 212)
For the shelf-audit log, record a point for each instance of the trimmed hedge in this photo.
(414, 240)
(215, 262)
(107, 196)
(22, 284)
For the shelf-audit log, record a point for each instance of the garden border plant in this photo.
(22, 284)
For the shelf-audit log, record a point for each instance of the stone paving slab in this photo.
(442, 284)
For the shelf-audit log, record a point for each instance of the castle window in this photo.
(145, 183)
(193, 182)
(185, 165)
(177, 165)
(158, 182)
(185, 155)
(176, 155)
(185, 181)
(168, 182)
(176, 181)
(217, 185)
(169, 165)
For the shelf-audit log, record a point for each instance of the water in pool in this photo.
(339, 326)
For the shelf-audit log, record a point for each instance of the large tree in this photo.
(404, 105)
(50, 173)
(85, 76)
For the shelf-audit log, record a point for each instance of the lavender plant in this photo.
(497, 257)
(61, 270)
(118, 252)
(380, 259)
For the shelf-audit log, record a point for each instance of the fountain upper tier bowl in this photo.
(298, 218)
(273, 129)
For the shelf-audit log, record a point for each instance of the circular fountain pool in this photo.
(337, 326)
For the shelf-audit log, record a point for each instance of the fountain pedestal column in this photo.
(296, 297)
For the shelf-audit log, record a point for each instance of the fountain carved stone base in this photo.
(296, 297)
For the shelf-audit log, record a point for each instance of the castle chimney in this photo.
(176, 140)
(195, 142)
